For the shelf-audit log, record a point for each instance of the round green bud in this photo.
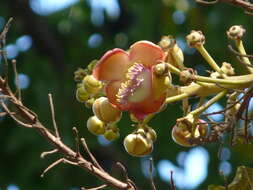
(91, 84)
(81, 94)
(105, 111)
(95, 126)
(138, 145)
(111, 134)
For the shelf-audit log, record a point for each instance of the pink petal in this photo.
(111, 90)
(146, 52)
(112, 66)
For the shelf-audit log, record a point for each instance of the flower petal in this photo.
(111, 90)
(112, 66)
(146, 52)
(146, 107)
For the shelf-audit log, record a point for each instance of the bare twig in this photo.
(123, 168)
(86, 148)
(14, 64)
(151, 169)
(77, 141)
(244, 4)
(12, 115)
(96, 188)
(61, 160)
(207, 2)
(44, 154)
(53, 115)
(172, 184)
(237, 53)
(2, 45)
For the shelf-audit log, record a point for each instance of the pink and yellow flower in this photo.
(130, 82)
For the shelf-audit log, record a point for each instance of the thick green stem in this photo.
(210, 60)
(241, 49)
(237, 80)
(202, 108)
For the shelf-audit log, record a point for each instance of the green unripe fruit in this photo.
(95, 126)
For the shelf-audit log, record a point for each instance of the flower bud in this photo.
(215, 75)
(175, 55)
(195, 38)
(178, 56)
(236, 32)
(81, 94)
(89, 102)
(138, 145)
(183, 135)
(151, 134)
(111, 134)
(161, 69)
(187, 75)
(105, 111)
(91, 84)
(95, 126)
(227, 69)
(79, 74)
(167, 42)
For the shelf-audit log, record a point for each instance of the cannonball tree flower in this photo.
(131, 84)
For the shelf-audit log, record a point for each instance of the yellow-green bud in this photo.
(215, 75)
(151, 134)
(178, 56)
(236, 32)
(161, 69)
(227, 69)
(195, 38)
(105, 111)
(111, 134)
(89, 102)
(91, 84)
(95, 126)
(81, 94)
(183, 135)
(138, 145)
(167, 42)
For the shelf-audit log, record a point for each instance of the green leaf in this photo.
(243, 180)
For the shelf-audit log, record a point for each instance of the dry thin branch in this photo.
(53, 115)
(30, 120)
(77, 141)
(237, 53)
(86, 148)
(61, 160)
(172, 184)
(14, 64)
(44, 154)
(96, 188)
(13, 116)
(244, 4)
(151, 170)
(2, 45)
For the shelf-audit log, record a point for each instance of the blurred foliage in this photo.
(243, 180)
(60, 46)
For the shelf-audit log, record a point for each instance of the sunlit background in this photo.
(190, 166)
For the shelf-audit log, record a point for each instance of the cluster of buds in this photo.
(139, 81)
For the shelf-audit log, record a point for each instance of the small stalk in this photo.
(209, 59)
(202, 108)
(241, 49)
